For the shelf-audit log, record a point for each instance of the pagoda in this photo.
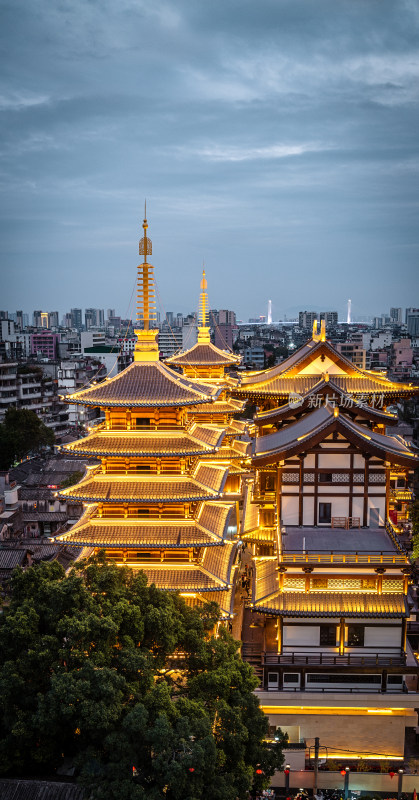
(156, 500)
(212, 365)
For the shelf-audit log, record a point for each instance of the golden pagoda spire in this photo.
(146, 348)
(203, 327)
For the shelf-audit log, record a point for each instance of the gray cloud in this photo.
(276, 140)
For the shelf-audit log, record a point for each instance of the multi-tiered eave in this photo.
(196, 440)
(146, 385)
(301, 371)
(203, 355)
(157, 500)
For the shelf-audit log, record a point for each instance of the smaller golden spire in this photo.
(146, 348)
(203, 327)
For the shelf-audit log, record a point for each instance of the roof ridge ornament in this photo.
(146, 347)
(203, 328)
(319, 337)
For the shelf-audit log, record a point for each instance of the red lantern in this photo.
(343, 772)
(286, 771)
(191, 769)
(391, 773)
(259, 771)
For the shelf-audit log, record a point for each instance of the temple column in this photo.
(366, 481)
(300, 496)
(342, 636)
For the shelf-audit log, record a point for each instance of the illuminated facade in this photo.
(330, 590)
(157, 501)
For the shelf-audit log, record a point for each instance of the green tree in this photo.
(131, 684)
(22, 432)
(72, 479)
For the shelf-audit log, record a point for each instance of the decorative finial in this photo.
(146, 348)
(203, 327)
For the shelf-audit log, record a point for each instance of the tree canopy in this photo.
(131, 684)
(22, 432)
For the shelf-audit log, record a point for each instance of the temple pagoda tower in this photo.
(331, 582)
(153, 503)
(212, 365)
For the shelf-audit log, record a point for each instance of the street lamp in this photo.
(287, 779)
(345, 772)
(399, 785)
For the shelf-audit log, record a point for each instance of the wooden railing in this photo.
(329, 557)
(346, 522)
(328, 660)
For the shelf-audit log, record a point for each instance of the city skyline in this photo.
(278, 142)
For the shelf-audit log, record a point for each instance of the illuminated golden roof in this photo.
(302, 370)
(197, 440)
(219, 407)
(301, 604)
(207, 481)
(316, 426)
(147, 385)
(179, 578)
(202, 355)
(325, 388)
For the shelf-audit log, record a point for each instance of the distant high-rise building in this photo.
(349, 314)
(76, 318)
(269, 312)
(53, 319)
(330, 317)
(4, 315)
(409, 311)
(90, 318)
(396, 315)
(306, 319)
(111, 313)
(413, 323)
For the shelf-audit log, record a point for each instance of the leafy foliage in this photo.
(22, 432)
(128, 682)
(72, 479)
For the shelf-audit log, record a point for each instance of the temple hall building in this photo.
(330, 602)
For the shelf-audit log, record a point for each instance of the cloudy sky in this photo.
(275, 140)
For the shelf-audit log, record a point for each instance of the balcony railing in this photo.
(330, 557)
(332, 660)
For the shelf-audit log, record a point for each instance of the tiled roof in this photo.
(286, 377)
(184, 578)
(316, 425)
(300, 604)
(147, 385)
(219, 561)
(300, 384)
(325, 388)
(11, 558)
(17, 789)
(219, 407)
(203, 355)
(213, 516)
(266, 579)
(198, 440)
(149, 488)
(207, 529)
(44, 516)
(250, 517)
(211, 475)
